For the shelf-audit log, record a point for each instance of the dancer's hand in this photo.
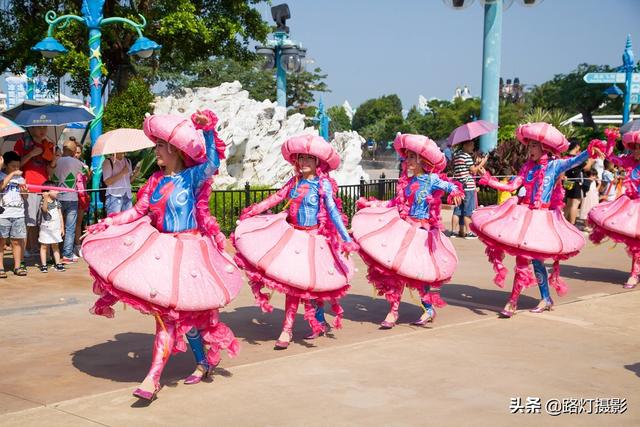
(200, 118)
(457, 200)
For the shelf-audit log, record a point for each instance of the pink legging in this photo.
(162, 347)
(291, 308)
(635, 264)
(520, 279)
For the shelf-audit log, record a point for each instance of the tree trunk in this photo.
(587, 118)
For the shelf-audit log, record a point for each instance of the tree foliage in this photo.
(339, 120)
(372, 111)
(189, 30)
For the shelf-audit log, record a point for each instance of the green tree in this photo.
(261, 84)
(189, 30)
(372, 111)
(302, 87)
(213, 72)
(570, 93)
(339, 120)
(128, 108)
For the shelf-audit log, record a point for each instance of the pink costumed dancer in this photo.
(299, 252)
(401, 240)
(620, 219)
(534, 228)
(165, 256)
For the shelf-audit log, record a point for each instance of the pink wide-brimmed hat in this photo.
(423, 146)
(548, 136)
(631, 139)
(313, 145)
(179, 132)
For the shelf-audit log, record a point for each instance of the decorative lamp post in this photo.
(613, 92)
(92, 17)
(490, 60)
(282, 53)
(31, 90)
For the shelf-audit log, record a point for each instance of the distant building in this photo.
(463, 94)
(511, 91)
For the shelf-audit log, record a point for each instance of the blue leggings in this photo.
(195, 342)
(543, 279)
(320, 313)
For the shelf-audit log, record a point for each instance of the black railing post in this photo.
(381, 187)
(247, 194)
(362, 187)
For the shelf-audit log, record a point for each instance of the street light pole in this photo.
(93, 19)
(628, 67)
(282, 53)
(30, 93)
(489, 107)
(281, 73)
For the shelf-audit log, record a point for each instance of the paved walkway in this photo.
(62, 366)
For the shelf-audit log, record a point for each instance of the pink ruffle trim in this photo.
(495, 252)
(599, 234)
(390, 284)
(216, 335)
(257, 281)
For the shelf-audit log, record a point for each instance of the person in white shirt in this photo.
(117, 175)
(65, 171)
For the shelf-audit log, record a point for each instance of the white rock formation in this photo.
(254, 132)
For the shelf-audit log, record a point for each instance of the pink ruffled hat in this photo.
(548, 136)
(313, 145)
(179, 132)
(631, 139)
(423, 146)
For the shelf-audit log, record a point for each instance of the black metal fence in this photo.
(226, 205)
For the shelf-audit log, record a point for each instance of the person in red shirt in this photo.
(37, 153)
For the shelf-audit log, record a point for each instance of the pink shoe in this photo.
(629, 286)
(547, 307)
(283, 345)
(314, 335)
(388, 325)
(195, 379)
(146, 395)
(506, 314)
(429, 319)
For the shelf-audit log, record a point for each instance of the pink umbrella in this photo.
(121, 141)
(470, 130)
(7, 127)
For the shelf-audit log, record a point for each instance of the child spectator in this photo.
(12, 224)
(609, 181)
(51, 228)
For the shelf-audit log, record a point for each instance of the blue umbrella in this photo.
(52, 115)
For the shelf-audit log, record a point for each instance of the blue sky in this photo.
(371, 48)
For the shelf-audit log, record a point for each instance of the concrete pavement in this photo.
(62, 366)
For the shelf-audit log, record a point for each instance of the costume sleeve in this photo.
(572, 162)
(141, 207)
(511, 186)
(441, 184)
(268, 203)
(333, 211)
(201, 172)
